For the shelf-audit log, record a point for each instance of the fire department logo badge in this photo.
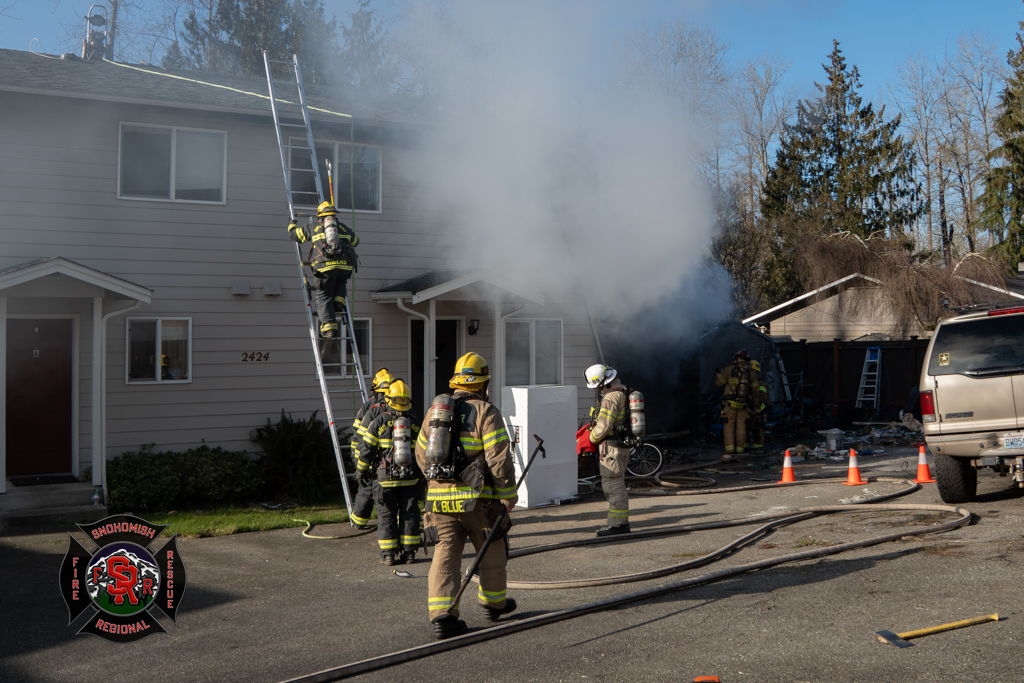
(123, 581)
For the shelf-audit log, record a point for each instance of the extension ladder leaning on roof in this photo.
(305, 152)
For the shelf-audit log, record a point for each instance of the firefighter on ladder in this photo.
(364, 475)
(332, 259)
(470, 475)
(387, 448)
(604, 434)
(737, 378)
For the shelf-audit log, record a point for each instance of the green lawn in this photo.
(222, 521)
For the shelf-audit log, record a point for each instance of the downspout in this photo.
(426, 351)
(103, 391)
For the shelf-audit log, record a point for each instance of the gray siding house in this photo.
(149, 293)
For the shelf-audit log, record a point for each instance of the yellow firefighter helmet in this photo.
(757, 366)
(399, 396)
(382, 379)
(471, 372)
(326, 209)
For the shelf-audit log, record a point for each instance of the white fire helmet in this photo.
(599, 375)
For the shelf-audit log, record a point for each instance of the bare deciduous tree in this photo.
(761, 106)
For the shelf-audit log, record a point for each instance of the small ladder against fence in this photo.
(345, 347)
(870, 378)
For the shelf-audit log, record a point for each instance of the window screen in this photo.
(358, 177)
(199, 166)
(146, 162)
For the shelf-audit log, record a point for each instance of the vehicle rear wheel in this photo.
(956, 478)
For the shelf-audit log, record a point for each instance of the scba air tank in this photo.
(401, 436)
(440, 421)
(331, 232)
(637, 420)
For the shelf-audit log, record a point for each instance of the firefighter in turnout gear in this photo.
(738, 379)
(332, 258)
(387, 447)
(608, 422)
(760, 404)
(363, 503)
(465, 454)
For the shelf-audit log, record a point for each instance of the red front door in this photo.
(39, 375)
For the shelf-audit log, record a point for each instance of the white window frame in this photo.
(344, 372)
(533, 349)
(335, 165)
(174, 170)
(157, 344)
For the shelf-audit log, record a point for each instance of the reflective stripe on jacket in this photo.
(378, 448)
(484, 438)
(315, 231)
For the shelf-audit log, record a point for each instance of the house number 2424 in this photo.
(255, 356)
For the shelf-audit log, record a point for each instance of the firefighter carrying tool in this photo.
(738, 378)
(387, 448)
(610, 430)
(364, 473)
(464, 452)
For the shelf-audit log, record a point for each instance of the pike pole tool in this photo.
(496, 526)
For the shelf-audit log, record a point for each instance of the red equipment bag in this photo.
(583, 442)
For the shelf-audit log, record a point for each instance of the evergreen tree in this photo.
(842, 163)
(364, 57)
(315, 40)
(1002, 204)
(231, 35)
(204, 41)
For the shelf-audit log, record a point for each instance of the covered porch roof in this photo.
(58, 277)
(477, 284)
(459, 285)
(72, 279)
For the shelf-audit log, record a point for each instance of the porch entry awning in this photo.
(26, 280)
(58, 277)
(475, 285)
(435, 284)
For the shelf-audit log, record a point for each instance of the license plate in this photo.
(1013, 441)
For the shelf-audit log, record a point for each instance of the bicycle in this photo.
(645, 460)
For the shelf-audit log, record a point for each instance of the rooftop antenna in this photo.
(95, 40)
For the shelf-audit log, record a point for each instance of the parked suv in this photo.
(972, 398)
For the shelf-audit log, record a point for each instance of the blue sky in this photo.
(874, 34)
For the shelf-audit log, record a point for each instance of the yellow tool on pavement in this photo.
(901, 639)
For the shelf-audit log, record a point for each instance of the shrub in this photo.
(214, 475)
(146, 481)
(298, 458)
(143, 480)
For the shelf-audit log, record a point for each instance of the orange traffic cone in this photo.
(924, 475)
(787, 469)
(853, 479)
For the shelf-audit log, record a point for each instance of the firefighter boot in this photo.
(613, 530)
(448, 627)
(492, 613)
(388, 557)
(409, 556)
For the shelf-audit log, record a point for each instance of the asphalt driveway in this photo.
(272, 606)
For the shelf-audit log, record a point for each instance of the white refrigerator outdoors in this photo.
(550, 412)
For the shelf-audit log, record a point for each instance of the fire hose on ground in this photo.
(776, 521)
